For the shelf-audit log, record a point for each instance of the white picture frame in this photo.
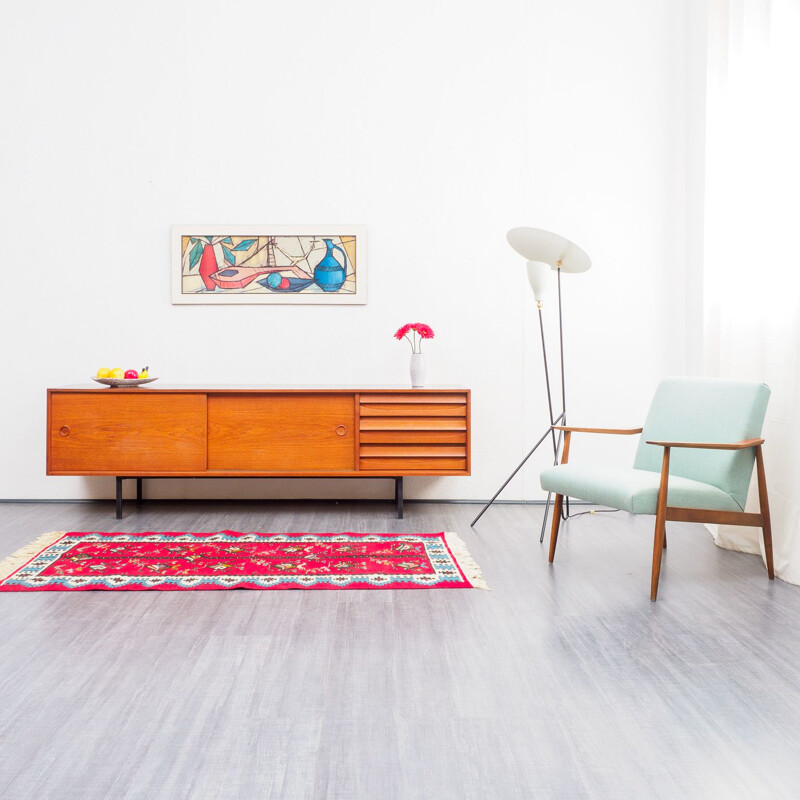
(269, 264)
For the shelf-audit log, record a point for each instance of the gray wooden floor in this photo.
(562, 682)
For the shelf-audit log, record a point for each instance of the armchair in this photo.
(713, 425)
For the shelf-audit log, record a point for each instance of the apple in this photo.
(131, 374)
(117, 373)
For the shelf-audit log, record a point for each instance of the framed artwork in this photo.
(269, 264)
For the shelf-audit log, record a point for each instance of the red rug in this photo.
(63, 562)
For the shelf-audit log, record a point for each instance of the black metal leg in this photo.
(119, 498)
(138, 491)
(519, 467)
(398, 496)
(546, 512)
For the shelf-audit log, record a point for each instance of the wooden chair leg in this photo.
(556, 523)
(660, 534)
(665, 537)
(763, 501)
(658, 549)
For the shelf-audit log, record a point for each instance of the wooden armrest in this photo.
(713, 445)
(620, 431)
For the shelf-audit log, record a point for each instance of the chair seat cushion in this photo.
(634, 490)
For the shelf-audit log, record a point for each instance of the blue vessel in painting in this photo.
(329, 274)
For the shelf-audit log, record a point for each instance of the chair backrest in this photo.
(705, 410)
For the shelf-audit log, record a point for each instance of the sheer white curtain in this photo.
(752, 250)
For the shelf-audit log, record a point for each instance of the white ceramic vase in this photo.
(417, 371)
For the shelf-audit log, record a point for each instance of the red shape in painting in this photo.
(208, 265)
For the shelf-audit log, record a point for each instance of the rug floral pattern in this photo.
(228, 560)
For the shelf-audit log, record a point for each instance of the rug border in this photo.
(20, 558)
(466, 565)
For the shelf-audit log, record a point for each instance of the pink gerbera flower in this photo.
(418, 331)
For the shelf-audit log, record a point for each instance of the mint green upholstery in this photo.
(634, 490)
(683, 410)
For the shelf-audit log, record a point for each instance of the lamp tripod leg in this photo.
(511, 476)
(544, 520)
(556, 452)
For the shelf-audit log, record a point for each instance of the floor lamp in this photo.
(545, 251)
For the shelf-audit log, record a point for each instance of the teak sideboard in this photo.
(257, 432)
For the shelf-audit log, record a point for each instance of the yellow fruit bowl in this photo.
(122, 382)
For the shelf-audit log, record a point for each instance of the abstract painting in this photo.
(269, 264)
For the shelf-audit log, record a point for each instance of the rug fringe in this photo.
(10, 564)
(467, 563)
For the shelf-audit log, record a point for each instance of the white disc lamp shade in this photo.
(534, 244)
(539, 278)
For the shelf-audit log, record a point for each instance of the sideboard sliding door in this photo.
(281, 433)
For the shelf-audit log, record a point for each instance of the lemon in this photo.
(117, 373)
(104, 372)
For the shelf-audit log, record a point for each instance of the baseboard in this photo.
(295, 500)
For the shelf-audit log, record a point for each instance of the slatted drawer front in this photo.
(413, 431)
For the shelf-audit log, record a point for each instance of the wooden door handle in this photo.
(341, 430)
(64, 430)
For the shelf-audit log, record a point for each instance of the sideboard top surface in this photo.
(241, 387)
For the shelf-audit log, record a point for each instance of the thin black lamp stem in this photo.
(547, 377)
(565, 507)
(561, 343)
(556, 443)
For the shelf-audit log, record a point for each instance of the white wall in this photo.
(438, 125)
